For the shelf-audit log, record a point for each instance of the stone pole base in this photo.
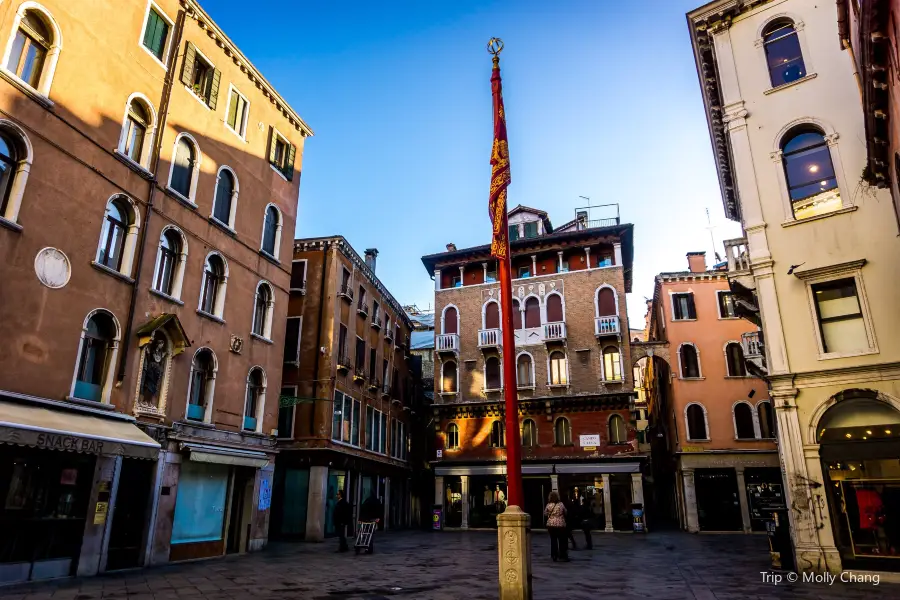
(514, 554)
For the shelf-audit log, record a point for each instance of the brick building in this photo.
(573, 369)
(136, 193)
(718, 420)
(348, 393)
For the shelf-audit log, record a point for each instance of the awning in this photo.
(541, 469)
(595, 468)
(48, 429)
(226, 456)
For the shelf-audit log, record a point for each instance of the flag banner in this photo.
(500, 176)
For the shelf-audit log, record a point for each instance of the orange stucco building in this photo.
(717, 420)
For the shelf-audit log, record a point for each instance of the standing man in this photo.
(342, 515)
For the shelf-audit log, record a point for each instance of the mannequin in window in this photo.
(488, 496)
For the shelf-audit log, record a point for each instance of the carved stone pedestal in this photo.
(514, 550)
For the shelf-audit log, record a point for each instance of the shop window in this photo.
(617, 432)
(452, 436)
(690, 365)
(743, 422)
(562, 432)
(492, 379)
(696, 423)
(734, 356)
(201, 486)
(529, 434)
(498, 435)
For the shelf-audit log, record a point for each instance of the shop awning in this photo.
(594, 468)
(48, 429)
(226, 456)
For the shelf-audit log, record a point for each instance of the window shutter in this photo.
(289, 168)
(272, 137)
(187, 69)
(692, 312)
(212, 93)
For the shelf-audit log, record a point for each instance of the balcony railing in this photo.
(362, 309)
(601, 223)
(606, 326)
(554, 332)
(751, 344)
(386, 391)
(490, 338)
(376, 319)
(299, 290)
(343, 363)
(374, 384)
(447, 342)
(738, 256)
(389, 336)
(346, 292)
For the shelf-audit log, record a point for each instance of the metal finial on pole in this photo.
(495, 47)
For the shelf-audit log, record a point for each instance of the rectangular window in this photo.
(238, 108)
(840, 316)
(292, 340)
(199, 75)
(282, 154)
(455, 281)
(531, 229)
(491, 273)
(345, 419)
(370, 428)
(375, 315)
(726, 305)
(156, 34)
(345, 280)
(354, 426)
(683, 307)
(342, 342)
(382, 438)
(513, 232)
(298, 276)
(360, 354)
(362, 297)
(337, 416)
(372, 363)
(524, 272)
(286, 413)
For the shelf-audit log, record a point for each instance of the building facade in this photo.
(816, 268)
(575, 391)
(720, 420)
(135, 195)
(348, 393)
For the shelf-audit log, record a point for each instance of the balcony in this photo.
(389, 336)
(606, 326)
(754, 353)
(447, 342)
(376, 320)
(299, 290)
(554, 332)
(751, 344)
(359, 373)
(386, 391)
(345, 292)
(374, 384)
(490, 338)
(362, 309)
(738, 255)
(343, 363)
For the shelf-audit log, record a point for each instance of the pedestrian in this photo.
(370, 511)
(342, 516)
(555, 512)
(573, 515)
(587, 514)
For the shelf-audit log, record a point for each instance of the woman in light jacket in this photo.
(555, 512)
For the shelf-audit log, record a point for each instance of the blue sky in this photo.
(602, 101)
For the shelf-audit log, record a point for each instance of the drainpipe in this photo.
(315, 394)
(157, 143)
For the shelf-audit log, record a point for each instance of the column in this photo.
(484, 267)
(462, 275)
(607, 502)
(464, 487)
(437, 279)
(95, 541)
(534, 272)
(692, 520)
(559, 254)
(587, 258)
(617, 254)
(315, 506)
(554, 482)
(439, 490)
(742, 498)
(637, 488)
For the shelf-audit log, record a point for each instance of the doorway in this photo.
(240, 510)
(718, 505)
(127, 534)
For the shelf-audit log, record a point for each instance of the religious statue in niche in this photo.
(155, 356)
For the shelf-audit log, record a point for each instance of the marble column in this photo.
(315, 507)
(742, 498)
(637, 494)
(462, 275)
(587, 257)
(514, 554)
(464, 489)
(437, 279)
(559, 254)
(617, 254)
(607, 502)
(534, 272)
(692, 520)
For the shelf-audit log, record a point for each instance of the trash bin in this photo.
(637, 517)
(778, 531)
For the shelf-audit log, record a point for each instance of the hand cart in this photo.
(365, 531)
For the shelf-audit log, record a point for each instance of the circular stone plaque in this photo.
(52, 267)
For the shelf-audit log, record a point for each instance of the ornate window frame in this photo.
(50, 62)
(109, 377)
(754, 418)
(699, 363)
(178, 270)
(687, 423)
(190, 200)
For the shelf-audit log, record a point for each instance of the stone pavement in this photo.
(463, 565)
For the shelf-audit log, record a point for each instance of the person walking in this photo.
(342, 517)
(586, 515)
(555, 511)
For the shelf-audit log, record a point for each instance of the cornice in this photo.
(836, 269)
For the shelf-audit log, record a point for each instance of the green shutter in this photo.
(187, 69)
(212, 94)
(272, 138)
(289, 168)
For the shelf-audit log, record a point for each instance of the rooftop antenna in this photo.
(712, 239)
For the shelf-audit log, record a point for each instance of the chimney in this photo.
(371, 255)
(451, 247)
(697, 262)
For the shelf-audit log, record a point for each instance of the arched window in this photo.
(517, 315)
(262, 311)
(448, 378)
(690, 365)
(255, 401)
(135, 131)
(452, 436)
(182, 177)
(554, 309)
(498, 435)
(766, 420)
(226, 197)
(783, 55)
(612, 366)
(212, 295)
(696, 422)
(529, 434)
(492, 380)
(734, 357)
(34, 49)
(606, 302)
(170, 264)
(450, 322)
(532, 313)
(525, 371)
(118, 236)
(492, 315)
(95, 358)
(202, 385)
(809, 172)
(617, 432)
(271, 231)
(14, 156)
(562, 432)
(743, 422)
(558, 368)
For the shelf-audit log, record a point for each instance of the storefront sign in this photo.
(100, 513)
(765, 498)
(265, 495)
(589, 448)
(589, 440)
(692, 448)
(440, 454)
(51, 441)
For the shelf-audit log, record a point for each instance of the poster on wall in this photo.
(765, 498)
(436, 518)
(589, 440)
(265, 494)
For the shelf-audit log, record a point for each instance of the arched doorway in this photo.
(859, 445)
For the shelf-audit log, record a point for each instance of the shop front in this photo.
(60, 469)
